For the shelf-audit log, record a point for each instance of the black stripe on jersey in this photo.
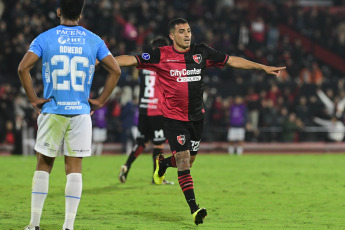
(196, 84)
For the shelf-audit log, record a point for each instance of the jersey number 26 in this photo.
(69, 67)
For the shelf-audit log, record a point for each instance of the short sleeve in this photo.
(36, 46)
(102, 51)
(149, 60)
(215, 58)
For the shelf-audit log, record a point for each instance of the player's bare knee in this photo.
(44, 163)
(73, 164)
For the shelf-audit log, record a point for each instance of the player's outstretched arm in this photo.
(126, 60)
(24, 68)
(241, 63)
(110, 64)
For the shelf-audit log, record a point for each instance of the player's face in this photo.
(181, 36)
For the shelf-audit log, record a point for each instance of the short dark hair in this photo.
(175, 22)
(71, 9)
(159, 42)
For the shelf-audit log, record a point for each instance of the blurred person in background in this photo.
(129, 121)
(150, 126)
(99, 130)
(237, 121)
(180, 69)
(69, 54)
(333, 104)
(290, 128)
(335, 128)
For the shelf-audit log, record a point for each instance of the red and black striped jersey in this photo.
(181, 77)
(150, 95)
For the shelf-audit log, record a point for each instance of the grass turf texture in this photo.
(247, 192)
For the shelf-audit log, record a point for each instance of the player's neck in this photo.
(180, 49)
(68, 22)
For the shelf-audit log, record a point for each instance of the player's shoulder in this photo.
(156, 53)
(88, 32)
(164, 51)
(48, 32)
(200, 46)
(165, 48)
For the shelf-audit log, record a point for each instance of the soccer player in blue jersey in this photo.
(69, 54)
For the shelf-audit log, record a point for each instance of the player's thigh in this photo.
(177, 133)
(78, 138)
(51, 133)
(157, 130)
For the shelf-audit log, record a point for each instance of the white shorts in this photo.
(236, 134)
(99, 134)
(70, 133)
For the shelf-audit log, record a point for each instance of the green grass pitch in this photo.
(247, 192)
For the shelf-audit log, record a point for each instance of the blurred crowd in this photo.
(324, 25)
(278, 109)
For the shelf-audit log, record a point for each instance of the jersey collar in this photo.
(179, 51)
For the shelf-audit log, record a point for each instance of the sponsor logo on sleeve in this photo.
(145, 56)
(197, 58)
(181, 139)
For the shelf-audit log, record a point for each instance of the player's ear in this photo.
(58, 12)
(171, 36)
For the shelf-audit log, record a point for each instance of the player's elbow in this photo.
(21, 69)
(117, 71)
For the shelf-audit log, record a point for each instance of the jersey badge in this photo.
(181, 139)
(197, 58)
(145, 56)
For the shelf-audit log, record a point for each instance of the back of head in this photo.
(71, 9)
(159, 42)
(175, 22)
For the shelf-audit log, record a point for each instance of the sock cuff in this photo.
(182, 173)
(41, 174)
(74, 176)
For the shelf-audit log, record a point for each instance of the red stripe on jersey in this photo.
(138, 60)
(175, 94)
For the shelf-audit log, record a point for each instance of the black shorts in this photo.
(183, 135)
(150, 129)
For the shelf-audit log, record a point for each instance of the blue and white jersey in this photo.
(68, 63)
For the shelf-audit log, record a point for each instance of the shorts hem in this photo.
(51, 153)
(46, 152)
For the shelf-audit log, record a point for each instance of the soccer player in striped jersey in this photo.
(69, 54)
(180, 69)
(150, 124)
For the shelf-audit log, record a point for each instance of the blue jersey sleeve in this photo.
(37, 46)
(102, 51)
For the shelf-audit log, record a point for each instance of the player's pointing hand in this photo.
(273, 70)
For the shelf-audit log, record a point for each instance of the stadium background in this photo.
(306, 36)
